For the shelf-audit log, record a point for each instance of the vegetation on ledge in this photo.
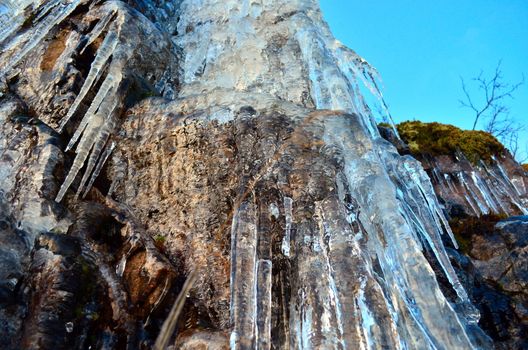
(442, 139)
(525, 167)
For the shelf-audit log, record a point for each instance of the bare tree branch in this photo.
(493, 109)
(495, 91)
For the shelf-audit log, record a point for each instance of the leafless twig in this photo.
(495, 91)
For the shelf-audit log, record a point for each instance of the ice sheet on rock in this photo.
(330, 91)
(406, 272)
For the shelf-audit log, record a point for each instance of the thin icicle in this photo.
(83, 150)
(98, 147)
(45, 9)
(264, 305)
(11, 17)
(285, 246)
(102, 161)
(103, 54)
(99, 28)
(98, 127)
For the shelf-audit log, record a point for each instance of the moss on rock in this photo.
(443, 139)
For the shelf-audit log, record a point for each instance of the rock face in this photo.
(495, 274)
(144, 140)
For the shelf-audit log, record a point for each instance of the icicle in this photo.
(481, 206)
(99, 167)
(45, 9)
(103, 54)
(353, 66)
(111, 82)
(11, 16)
(83, 150)
(42, 29)
(243, 276)
(9, 27)
(484, 191)
(264, 305)
(98, 127)
(102, 139)
(99, 28)
(287, 234)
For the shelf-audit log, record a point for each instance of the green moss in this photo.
(160, 239)
(159, 242)
(385, 125)
(443, 139)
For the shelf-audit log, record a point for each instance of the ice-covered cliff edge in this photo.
(259, 164)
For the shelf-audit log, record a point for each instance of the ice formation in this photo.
(395, 196)
(363, 280)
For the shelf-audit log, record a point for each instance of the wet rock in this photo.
(57, 286)
(388, 134)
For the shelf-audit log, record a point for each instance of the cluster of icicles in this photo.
(486, 189)
(91, 138)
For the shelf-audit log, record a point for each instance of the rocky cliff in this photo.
(143, 142)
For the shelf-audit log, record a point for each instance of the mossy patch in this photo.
(159, 242)
(442, 139)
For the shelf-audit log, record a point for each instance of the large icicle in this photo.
(243, 277)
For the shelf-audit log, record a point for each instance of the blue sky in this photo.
(421, 48)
